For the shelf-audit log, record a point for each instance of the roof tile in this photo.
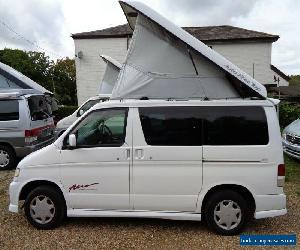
(206, 33)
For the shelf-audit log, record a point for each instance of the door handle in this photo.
(139, 153)
(128, 154)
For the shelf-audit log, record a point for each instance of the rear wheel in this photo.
(45, 207)
(7, 157)
(226, 212)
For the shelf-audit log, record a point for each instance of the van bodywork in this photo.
(139, 180)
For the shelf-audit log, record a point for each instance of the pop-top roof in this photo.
(13, 79)
(110, 76)
(165, 61)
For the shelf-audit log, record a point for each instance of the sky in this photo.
(46, 25)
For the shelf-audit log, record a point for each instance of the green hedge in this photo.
(64, 111)
(288, 112)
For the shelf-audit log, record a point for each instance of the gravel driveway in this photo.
(16, 233)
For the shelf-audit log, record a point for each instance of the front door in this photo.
(167, 158)
(95, 173)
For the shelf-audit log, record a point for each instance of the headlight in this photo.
(284, 136)
(17, 172)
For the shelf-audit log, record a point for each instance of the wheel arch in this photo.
(240, 189)
(32, 184)
(5, 143)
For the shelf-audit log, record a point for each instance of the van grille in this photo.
(293, 139)
(291, 151)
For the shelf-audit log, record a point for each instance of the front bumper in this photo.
(26, 150)
(14, 191)
(290, 149)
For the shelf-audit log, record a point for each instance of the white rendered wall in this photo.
(90, 68)
(245, 55)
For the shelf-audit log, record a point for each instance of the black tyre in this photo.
(226, 212)
(45, 207)
(7, 157)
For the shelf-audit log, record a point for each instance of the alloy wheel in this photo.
(227, 214)
(4, 158)
(42, 209)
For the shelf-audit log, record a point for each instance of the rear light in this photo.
(281, 170)
(280, 175)
(32, 135)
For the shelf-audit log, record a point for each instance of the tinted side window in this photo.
(235, 126)
(173, 126)
(9, 110)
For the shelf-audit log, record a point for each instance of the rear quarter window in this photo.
(243, 125)
(9, 110)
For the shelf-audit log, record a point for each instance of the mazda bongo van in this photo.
(26, 124)
(219, 161)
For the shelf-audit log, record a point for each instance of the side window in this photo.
(172, 126)
(235, 126)
(6, 83)
(85, 107)
(9, 110)
(102, 128)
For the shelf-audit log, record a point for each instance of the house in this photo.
(250, 50)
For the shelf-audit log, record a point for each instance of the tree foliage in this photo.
(295, 80)
(64, 77)
(58, 77)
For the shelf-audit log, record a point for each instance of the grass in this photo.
(292, 172)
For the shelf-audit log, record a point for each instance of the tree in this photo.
(35, 65)
(295, 80)
(64, 77)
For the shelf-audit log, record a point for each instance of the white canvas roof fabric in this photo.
(18, 80)
(110, 75)
(164, 61)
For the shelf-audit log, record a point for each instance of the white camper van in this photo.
(203, 143)
(108, 82)
(186, 160)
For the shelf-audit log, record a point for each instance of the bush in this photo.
(64, 111)
(288, 113)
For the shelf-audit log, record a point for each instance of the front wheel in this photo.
(45, 207)
(226, 212)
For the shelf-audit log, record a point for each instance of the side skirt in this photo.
(170, 215)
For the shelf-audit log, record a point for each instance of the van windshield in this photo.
(39, 108)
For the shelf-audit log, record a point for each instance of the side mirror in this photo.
(81, 112)
(72, 140)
